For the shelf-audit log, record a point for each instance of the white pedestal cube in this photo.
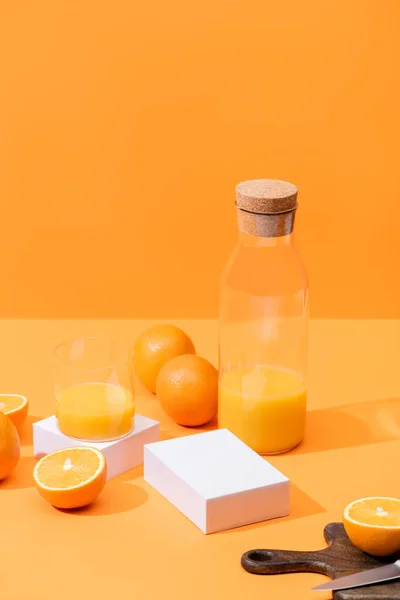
(216, 480)
(121, 455)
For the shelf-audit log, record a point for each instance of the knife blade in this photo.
(369, 577)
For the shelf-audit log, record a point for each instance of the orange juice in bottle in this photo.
(264, 323)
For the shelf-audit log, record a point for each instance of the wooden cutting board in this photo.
(338, 559)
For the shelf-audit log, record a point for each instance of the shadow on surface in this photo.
(175, 430)
(115, 498)
(26, 437)
(22, 476)
(353, 425)
(128, 475)
(329, 429)
(166, 435)
(301, 505)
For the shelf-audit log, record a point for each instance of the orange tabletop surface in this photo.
(132, 543)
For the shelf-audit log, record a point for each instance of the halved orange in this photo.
(9, 446)
(373, 525)
(15, 407)
(72, 477)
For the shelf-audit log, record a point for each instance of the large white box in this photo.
(121, 455)
(216, 480)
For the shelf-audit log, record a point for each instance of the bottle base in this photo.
(266, 453)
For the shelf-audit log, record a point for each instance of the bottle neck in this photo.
(277, 228)
(264, 242)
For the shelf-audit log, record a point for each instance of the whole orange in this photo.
(187, 388)
(9, 446)
(155, 347)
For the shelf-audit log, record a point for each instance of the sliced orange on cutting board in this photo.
(15, 407)
(373, 525)
(71, 478)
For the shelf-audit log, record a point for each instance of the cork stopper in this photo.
(266, 196)
(266, 207)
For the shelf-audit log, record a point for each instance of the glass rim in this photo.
(72, 363)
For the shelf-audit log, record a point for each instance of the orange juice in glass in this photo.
(94, 391)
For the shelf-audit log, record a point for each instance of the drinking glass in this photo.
(94, 389)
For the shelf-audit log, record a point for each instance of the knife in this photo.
(377, 575)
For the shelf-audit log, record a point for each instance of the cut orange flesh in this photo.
(373, 525)
(71, 478)
(15, 407)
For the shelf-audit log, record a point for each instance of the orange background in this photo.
(124, 127)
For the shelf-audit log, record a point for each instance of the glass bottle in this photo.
(263, 335)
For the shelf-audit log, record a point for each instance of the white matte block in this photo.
(216, 480)
(121, 455)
